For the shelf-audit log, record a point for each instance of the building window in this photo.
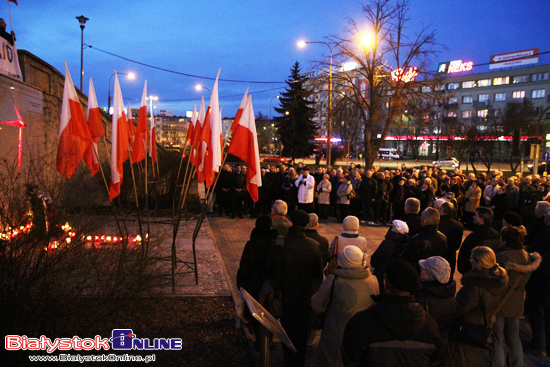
(518, 94)
(499, 97)
(466, 114)
(468, 84)
(537, 93)
(482, 113)
(482, 97)
(451, 114)
(539, 76)
(498, 113)
(466, 99)
(484, 83)
(520, 79)
(426, 89)
(453, 100)
(452, 86)
(501, 81)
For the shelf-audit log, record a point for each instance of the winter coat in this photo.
(396, 331)
(343, 191)
(253, 265)
(324, 189)
(413, 221)
(426, 198)
(368, 188)
(390, 248)
(440, 302)
(517, 262)
(323, 243)
(351, 293)
(453, 230)
(471, 199)
(539, 284)
(348, 238)
(427, 243)
(305, 191)
(483, 235)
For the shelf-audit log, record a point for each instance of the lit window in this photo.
(539, 76)
(440, 87)
(484, 83)
(452, 86)
(468, 84)
(426, 89)
(520, 79)
(518, 94)
(499, 97)
(537, 93)
(482, 113)
(466, 99)
(501, 81)
(466, 114)
(483, 97)
(451, 114)
(453, 100)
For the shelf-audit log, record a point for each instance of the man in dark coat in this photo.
(311, 232)
(396, 331)
(390, 248)
(298, 268)
(412, 218)
(453, 230)
(428, 242)
(483, 235)
(367, 190)
(238, 188)
(223, 191)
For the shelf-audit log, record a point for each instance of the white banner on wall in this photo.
(9, 61)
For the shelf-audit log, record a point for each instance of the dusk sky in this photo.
(251, 41)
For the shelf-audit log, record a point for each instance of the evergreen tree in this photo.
(295, 127)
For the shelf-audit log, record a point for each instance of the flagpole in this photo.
(9, 10)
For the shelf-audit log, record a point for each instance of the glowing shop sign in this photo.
(408, 76)
(456, 66)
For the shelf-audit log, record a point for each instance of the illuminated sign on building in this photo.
(456, 66)
(406, 77)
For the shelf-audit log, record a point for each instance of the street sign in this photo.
(546, 156)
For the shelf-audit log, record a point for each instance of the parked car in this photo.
(448, 162)
(388, 153)
(275, 159)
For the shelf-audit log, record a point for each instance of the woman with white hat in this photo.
(345, 292)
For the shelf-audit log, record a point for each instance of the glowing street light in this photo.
(82, 20)
(200, 87)
(130, 76)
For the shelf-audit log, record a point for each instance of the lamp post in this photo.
(82, 20)
(329, 119)
(130, 76)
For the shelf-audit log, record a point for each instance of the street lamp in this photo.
(82, 20)
(302, 44)
(200, 87)
(131, 76)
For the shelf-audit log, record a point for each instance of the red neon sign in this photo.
(458, 66)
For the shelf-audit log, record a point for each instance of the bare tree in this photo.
(388, 72)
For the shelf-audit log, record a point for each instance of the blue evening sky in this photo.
(251, 41)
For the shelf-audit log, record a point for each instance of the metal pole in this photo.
(81, 54)
(329, 122)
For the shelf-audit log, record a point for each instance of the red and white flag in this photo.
(244, 145)
(140, 140)
(119, 142)
(196, 158)
(93, 116)
(74, 135)
(211, 139)
(239, 112)
(190, 131)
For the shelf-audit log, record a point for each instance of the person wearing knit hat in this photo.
(396, 330)
(349, 237)
(437, 294)
(400, 227)
(345, 292)
(352, 257)
(299, 218)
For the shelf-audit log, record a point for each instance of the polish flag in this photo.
(239, 112)
(96, 129)
(140, 139)
(119, 142)
(190, 130)
(196, 158)
(210, 139)
(74, 135)
(244, 145)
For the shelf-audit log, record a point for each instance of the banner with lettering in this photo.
(9, 61)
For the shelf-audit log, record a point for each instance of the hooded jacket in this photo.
(390, 248)
(396, 331)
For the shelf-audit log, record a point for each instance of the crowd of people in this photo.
(401, 307)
